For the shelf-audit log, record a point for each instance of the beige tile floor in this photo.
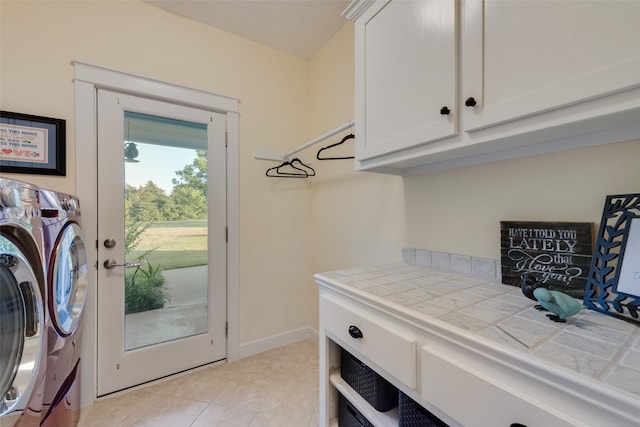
(274, 388)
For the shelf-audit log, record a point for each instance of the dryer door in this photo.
(69, 281)
(21, 330)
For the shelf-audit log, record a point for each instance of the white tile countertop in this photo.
(591, 344)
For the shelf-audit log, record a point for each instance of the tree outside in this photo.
(167, 231)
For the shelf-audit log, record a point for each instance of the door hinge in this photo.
(226, 138)
(226, 234)
(226, 329)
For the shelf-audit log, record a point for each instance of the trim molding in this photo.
(356, 9)
(87, 79)
(107, 78)
(254, 347)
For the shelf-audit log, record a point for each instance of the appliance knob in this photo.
(445, 111)
(70, 205)
(9, 197)
(470, 102)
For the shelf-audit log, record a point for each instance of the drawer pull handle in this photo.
(355, 332)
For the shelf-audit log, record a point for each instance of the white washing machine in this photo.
(66, 266)
(23, 343)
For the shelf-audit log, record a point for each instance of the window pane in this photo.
(166, 229)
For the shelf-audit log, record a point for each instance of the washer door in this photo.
(21, 327)
(69, 280)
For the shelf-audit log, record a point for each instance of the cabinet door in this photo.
(522, 58)
(473, 399)
(406, 75)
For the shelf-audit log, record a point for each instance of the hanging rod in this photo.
(273, 155)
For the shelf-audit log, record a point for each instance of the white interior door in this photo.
(161, 239)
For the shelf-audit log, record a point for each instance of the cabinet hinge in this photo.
(226, 234)
(226, 138)
(226, 329)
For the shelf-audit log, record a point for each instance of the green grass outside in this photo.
(174, 224)
(174, 244)
(173, 259)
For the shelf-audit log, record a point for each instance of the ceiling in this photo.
(298, 27)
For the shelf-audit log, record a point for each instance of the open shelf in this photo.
(377, 418)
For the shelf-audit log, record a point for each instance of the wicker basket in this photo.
(380, 393)
(348, 416)
(413, 415)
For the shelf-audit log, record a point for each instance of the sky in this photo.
(159, 164)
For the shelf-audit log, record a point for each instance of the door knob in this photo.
(445, 111)
(109, 243)
(112, 263)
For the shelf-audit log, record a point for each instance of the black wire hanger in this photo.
(346, 138)
(304, 171)
(308, 169)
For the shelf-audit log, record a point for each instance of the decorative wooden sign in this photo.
(556, 254)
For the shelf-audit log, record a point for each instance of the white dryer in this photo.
(23, 344)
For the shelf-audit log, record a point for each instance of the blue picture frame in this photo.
(617, 241)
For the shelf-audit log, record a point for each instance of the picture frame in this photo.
(613, 284)
(32, 144)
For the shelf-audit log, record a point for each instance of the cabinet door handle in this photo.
(470, 102)
(445, 111)
(355, 332)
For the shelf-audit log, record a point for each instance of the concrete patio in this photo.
(185, 313)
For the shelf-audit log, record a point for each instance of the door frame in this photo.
(87, 79)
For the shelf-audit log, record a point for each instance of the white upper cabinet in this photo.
(446, 83)
(540, 56)
(406, 75)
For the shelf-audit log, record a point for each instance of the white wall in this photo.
(357, 218)
(459, 211)
(39, 39)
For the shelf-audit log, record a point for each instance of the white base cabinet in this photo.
(443, 83)
(478, 400)
(463, 379)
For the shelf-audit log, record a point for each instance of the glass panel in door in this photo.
(165, 200)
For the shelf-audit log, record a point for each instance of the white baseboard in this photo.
(251, 348)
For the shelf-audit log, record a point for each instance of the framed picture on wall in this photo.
(32, 144)
(613, 285)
